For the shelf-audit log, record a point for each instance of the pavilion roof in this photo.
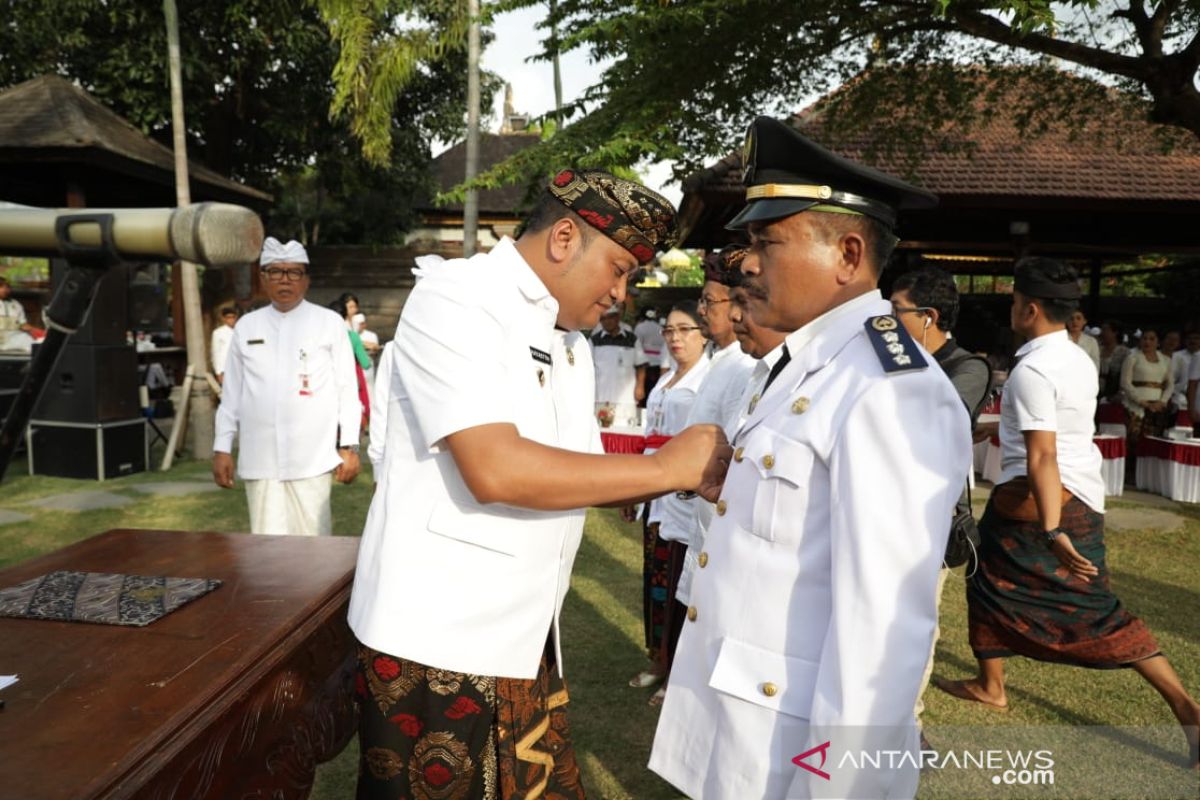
(53, 133)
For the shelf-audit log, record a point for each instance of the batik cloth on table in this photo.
(431, 734)
(109, 598)
(1022, 601)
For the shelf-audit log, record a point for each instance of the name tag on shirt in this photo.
(540, 356)
(256, 341)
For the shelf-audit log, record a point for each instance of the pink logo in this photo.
(799, 760)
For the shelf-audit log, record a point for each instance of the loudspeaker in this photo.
(108, 318)
(148, 303)
(75, 450)
(90, 384)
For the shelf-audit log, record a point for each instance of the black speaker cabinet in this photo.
(12, 371)
(108, 318)
(149, 305)
(97, 452)
(90, 384)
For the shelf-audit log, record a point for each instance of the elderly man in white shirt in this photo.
(492, 454)
(290, 397)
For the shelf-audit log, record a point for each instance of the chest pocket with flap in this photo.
(784, 469)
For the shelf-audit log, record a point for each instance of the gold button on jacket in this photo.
(691, 613)
(703, 560)
(737, 454)
(768, 461)
(721, 508)
(770, 689)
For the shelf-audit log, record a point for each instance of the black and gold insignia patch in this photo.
(896, 350)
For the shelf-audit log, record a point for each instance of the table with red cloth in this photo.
(1112, 467)
(1169, 467)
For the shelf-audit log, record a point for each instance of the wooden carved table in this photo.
(237, 694)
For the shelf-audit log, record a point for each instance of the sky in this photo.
(516, 39)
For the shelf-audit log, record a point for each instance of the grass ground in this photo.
(1153, 571)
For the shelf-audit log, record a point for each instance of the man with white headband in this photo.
(291, 397)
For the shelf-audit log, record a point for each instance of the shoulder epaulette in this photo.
(896, 349)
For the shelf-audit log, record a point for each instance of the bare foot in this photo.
(972, 690)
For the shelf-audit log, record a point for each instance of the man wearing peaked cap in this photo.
(836, 509)
(492, 455)
(290, 398)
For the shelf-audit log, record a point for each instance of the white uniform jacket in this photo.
(814, 607)
(290, 394)
(443, 580)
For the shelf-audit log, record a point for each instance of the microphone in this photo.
(213, 234)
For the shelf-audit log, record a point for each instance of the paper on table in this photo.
(7, 681)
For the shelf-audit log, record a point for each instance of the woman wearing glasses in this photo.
(666, 521)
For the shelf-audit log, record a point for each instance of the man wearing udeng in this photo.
(492, 453)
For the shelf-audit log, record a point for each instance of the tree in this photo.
(684, 77)
(258, 84)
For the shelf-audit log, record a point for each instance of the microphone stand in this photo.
(87, 264)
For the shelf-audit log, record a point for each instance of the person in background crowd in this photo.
(813, 614)
(1181, 363)
(926, 303)
(362, 361)
(370, 339)
(1193, 390)
(720, 394)
(289, 398)
(1169, 342)
(667, 524)
(1075, 330)
(222, 336)
(492, 456)
(370, 343)
(650, 339)
(15, 329)
(1146, 388)
(1112, 356)
(619, 364)
(350, 300)
(1042, 587)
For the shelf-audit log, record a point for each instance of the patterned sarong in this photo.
(662, 566)
(1022, 601)
(430, 734)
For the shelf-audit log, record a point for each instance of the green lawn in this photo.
(1154, 572)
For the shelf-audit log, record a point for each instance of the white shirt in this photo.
(443, 580)
(717, 401)
(667, 411)
(1053, 388)
(1194, 369)
(1181, 363)
(289, 387)
(815, 611)
(649, 334)
(222, 336)
(12, 315)
(380, 400)
(616, 359)
(1090, 346)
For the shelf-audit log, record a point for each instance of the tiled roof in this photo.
(1115, 154)
(53, 119)
(450, 168)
